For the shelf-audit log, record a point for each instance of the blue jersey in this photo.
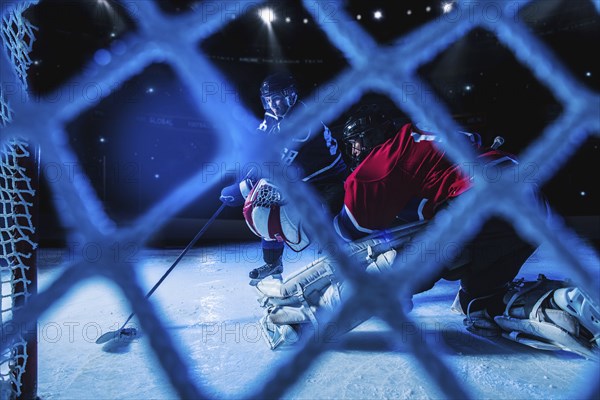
(318, 154)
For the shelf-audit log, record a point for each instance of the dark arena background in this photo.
(145, 137)
(122, 120)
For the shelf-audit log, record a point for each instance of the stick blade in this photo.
(123, 333)
(107, 336)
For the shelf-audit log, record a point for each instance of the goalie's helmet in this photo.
(278, 93)
(367, 127)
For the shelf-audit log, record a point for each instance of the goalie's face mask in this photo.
(366, 129)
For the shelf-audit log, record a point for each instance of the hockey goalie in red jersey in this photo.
(400, 179)
(399, 175)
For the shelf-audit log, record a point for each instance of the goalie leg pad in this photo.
(383, 262)
(277, 335)
(298, 302)
(303, 306)
(290, 315)
(295, 303)
(299, 287)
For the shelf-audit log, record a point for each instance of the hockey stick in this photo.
(130, 332)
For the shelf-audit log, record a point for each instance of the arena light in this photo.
(447, 7)
(377, 14)
(103, 3)
(267, 15)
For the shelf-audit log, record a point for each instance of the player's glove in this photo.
(234, 195)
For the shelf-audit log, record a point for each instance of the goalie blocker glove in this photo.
(234, 195)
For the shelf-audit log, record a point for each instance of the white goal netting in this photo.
(17, 230)
(16, 233)
(161, 38)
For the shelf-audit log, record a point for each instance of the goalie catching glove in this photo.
(268, 216)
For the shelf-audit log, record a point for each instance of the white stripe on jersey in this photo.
(501, 160)
(309, 177)
(355, 223)
(420, 209)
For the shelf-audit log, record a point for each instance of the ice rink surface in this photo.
(212, 314)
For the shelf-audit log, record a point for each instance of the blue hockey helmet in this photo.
(279, 86)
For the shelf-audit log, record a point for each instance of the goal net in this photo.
(17, 264)
(162, 38)
(18, 363)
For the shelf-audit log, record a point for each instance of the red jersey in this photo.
(407, 168)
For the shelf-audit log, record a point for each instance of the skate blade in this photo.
(548, 333)
(519, 337)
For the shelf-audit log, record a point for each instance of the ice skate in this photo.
(480, 323)
(551, 315)
(273, 270)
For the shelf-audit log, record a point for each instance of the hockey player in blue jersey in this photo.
(319, 160)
